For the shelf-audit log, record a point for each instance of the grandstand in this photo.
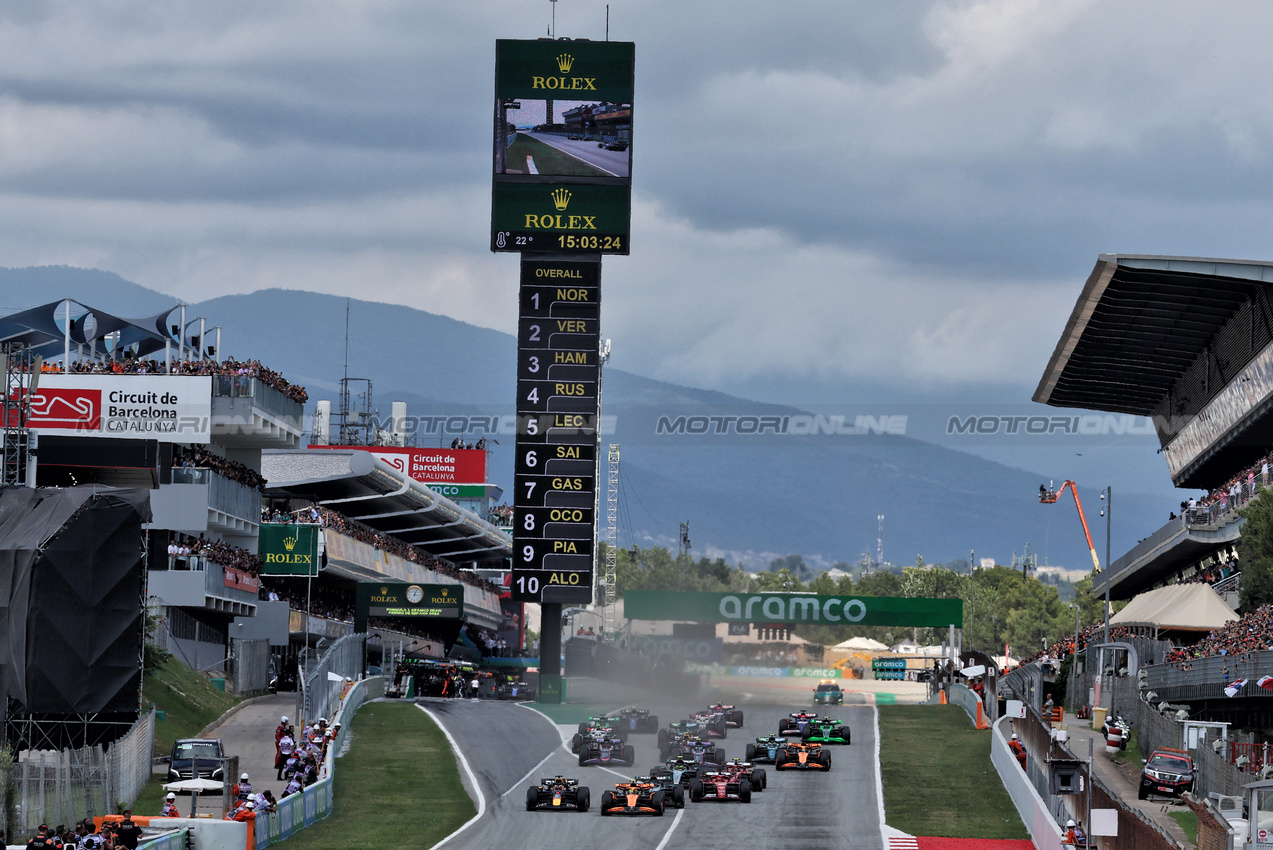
(152, 403)
(1188, 342)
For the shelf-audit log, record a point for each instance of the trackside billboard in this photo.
(792, 608)
(430, 466)
(166, 408)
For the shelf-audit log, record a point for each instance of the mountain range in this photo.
(747, 496)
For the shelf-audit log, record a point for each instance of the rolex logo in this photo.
(289, 543)
(564, 61)
(561, 198)
(444, 591)
(384, 591)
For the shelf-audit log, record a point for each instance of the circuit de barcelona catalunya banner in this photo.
(792, 608)
(167, 408)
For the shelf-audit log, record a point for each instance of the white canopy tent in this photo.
(1177, 607)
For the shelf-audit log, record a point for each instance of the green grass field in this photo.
(938, 779)
(398, 757)
(188, 701)
(548, 160)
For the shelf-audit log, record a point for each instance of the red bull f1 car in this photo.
(558, 794)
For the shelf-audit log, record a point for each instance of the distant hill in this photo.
(764, 495)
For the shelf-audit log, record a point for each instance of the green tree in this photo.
(1255, 550)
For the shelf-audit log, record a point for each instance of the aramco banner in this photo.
(288, 549)
(792, 608)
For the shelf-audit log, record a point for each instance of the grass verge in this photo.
(938, 779)
(397, 759)
(187, 699)
(1189, 823)
(548, 160)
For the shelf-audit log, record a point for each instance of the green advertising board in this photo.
(562, 148)
(550, 689)
(792, 608)
(459, 491)
(406, 600)
(288, 549)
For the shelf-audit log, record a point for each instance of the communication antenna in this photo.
(879, 544)
(552, 30)
(683, 549)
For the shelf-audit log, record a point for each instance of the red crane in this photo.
(1049, 497)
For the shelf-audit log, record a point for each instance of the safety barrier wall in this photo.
(176, 840)
(963, 697)
(1044, 831)
(315, 802)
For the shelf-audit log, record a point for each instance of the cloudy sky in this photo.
(833, 200)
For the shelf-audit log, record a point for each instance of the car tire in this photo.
(629, 754)
(744, 791)
(532, 798)
(696, 790)
(825, 758)
(750, 752)
(583, 728)
(1141, 793)
(738, 718)
(583, 754)
(583, 798)
(664, 737)
(652, 723)
(607, 800)
(848, 736)
(719, 755)
(759, 779)
(678, 796)
(576, 742)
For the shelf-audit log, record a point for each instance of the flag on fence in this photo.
(1232, 690)
(1265, 682)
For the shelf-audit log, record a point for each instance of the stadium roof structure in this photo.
(46, 333)
(1164, 336)
(1163, 554)
(360, 486)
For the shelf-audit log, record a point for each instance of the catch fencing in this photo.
(324, 680)
(251, 666)
(51, 786)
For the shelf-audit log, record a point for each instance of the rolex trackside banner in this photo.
(792, 608)
(287, 549)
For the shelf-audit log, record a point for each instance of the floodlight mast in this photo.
(1048, 496)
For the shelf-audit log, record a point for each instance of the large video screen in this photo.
(565, 138)
(563, 146)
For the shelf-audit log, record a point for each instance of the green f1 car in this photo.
(825, 730)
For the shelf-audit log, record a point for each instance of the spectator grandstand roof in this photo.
(1163, 336)
(40, 328)
(358, 485)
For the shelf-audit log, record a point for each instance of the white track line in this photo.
(477, 789)
(667, 836)
(879, 777)
(528, 775)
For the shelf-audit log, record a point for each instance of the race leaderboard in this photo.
(555, 470)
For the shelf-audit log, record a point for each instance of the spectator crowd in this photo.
(183, 546)
(1234, 493)
(1252, 632)
(229, 367)
(195, 457)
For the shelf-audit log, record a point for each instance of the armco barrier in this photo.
(178, 840)
(315, 802)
